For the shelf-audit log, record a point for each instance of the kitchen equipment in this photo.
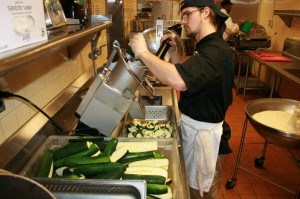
(113, 93)
(54, 14)
(163, 114)
(92, 189)
(14, 186)
(275, 136)
(246, 27)
(77, 9)
(271, 135)
(167, 146)
(256, 37)
(139, 25)
(150, 37)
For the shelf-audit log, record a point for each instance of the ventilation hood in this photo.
(287, 15)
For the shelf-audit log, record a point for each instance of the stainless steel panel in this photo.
(116, 31)
(291, 48)
(93, 189)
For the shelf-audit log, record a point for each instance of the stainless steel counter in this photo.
(287, 70)
(19, 149)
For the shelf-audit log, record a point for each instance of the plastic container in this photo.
(246, 27)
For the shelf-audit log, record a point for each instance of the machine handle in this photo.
(149, 90)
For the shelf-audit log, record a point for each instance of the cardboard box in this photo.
(22, 23)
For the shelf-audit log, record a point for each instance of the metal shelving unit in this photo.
(57, 40)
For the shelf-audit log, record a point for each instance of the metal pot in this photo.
(14, 186)
(275, 136)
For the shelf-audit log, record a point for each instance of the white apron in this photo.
(200, 143)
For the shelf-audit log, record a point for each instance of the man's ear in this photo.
(206, 12)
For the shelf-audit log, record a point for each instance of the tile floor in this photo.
(278, 167)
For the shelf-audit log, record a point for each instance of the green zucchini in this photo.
(89, 152)
(151, 197)
(157, 189)
(115, 174)
(110, 147)
(60, 171)
(89, 138)
(132, 157)
(150, 179)
(90, 170)
(118, 154)
(73, 161)
(101, 145)
(73, 176)
(58, 163)
(70, 149)
(46, 166)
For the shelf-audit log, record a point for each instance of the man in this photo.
(205, 83)
(231, 27)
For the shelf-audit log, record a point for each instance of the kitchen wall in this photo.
(42, 80)
(261, 11)
(274, 24)
(169, 11)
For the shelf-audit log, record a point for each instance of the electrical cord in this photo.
(5, 94)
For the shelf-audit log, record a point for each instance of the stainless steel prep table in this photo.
(253, 83)
(278, 69)
(18, 150)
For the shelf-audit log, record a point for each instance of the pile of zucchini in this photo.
(149, 129)
(87, 158)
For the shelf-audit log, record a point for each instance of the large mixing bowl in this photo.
(275, 136)
(150, 37)
(14, 186)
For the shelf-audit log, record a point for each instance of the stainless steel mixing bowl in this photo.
(150, 37)
(15, 186)
(275, 136)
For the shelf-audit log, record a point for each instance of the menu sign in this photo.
(22, 23)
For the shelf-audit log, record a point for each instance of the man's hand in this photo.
(138, 44)
(172, 43)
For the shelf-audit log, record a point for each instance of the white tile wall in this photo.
(41, 81)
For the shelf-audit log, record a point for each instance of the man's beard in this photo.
(191, 34)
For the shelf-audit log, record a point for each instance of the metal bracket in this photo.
(94, 51)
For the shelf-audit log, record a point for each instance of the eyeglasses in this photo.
(188, 14)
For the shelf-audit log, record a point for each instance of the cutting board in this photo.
(271, 57)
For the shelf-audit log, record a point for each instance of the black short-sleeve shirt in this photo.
(208, 75)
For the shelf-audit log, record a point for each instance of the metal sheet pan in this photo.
(168, 146)
(163, 114)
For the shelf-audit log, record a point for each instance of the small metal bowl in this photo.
(274, 136)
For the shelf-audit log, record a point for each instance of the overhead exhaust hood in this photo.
(287, 15)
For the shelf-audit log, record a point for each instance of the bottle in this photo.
(163, 49)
